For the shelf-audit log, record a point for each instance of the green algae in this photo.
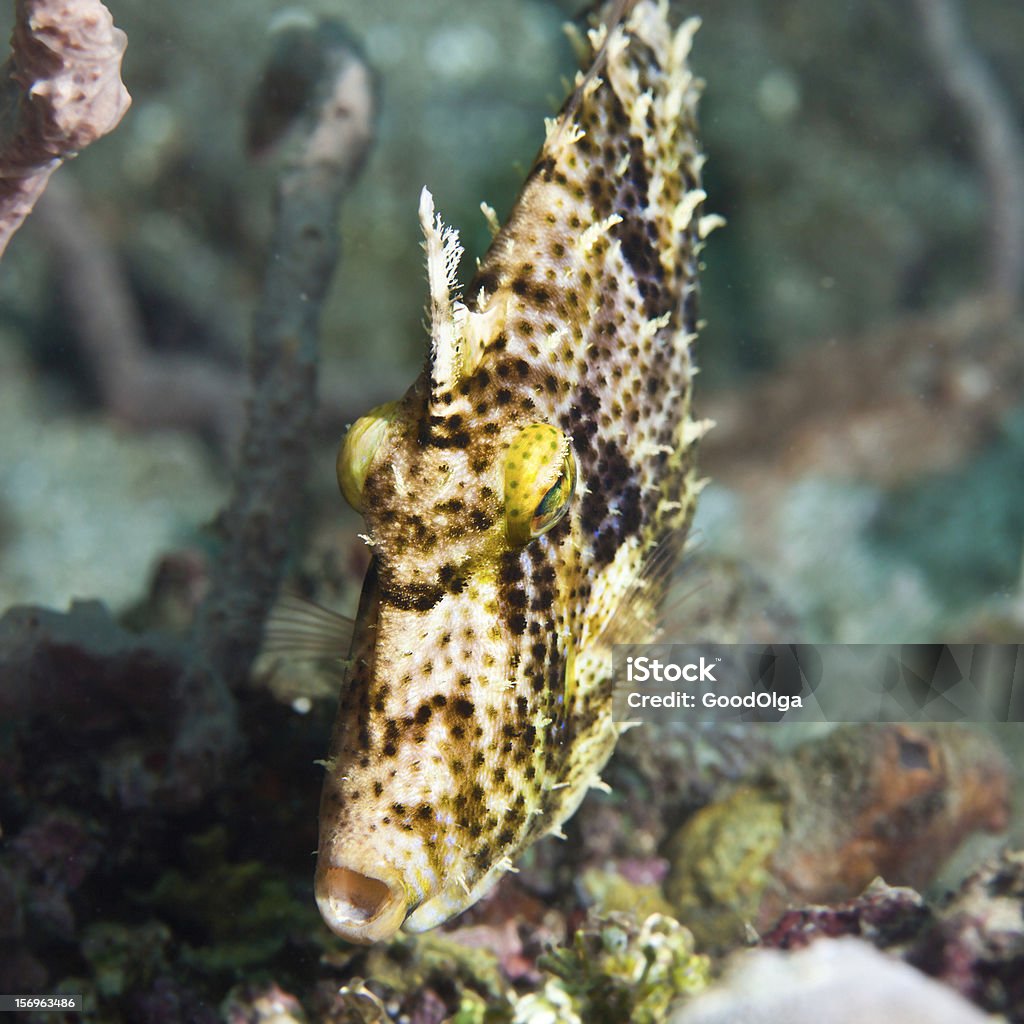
(612, 894)
(410, 964)
(243, 910)
(124, 957)
(616, 970)
(619, 967)
(721, 865)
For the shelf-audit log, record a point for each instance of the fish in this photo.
(525, 501)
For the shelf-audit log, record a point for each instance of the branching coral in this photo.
(269, 484)
(61, 91)
(138, 385)
(994, 134)
(268, 489)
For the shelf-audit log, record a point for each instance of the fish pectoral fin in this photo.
(302, 628)
(638, 619)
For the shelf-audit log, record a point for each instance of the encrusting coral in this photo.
(817, 826)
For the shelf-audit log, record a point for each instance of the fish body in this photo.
(522, 501)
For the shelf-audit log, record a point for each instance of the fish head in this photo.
(456, 673)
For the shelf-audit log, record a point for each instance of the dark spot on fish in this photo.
(481, 520)
(460, 439)
(581, 435)
(605, 546)
(637, 170)
(629, 511)
(421, 597)
(463, 707)
(485, 279)
(593, 511)
(543, 168)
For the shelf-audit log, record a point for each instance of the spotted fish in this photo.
(523, 501)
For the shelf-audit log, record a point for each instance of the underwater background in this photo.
(863, 358)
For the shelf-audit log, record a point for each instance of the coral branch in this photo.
(138, 386)
(61, 90)
(993, 129)
(147, 389)
(271, 475)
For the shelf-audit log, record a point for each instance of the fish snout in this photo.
(361, 902)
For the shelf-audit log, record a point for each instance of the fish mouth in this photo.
(361, 904)
(361, 896)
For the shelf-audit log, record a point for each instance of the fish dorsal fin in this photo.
(302, 628)
(592, 49)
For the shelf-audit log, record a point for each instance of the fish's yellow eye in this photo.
(358, 449)
(540, 477)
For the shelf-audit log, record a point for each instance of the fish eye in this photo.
(359, 448)
(540, 478)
